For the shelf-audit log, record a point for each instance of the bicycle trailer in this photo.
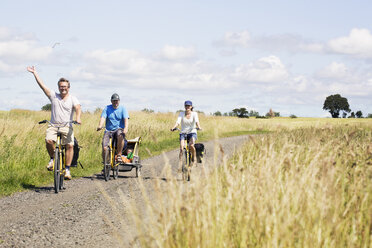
(130, 157)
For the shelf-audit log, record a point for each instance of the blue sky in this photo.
(284, 55)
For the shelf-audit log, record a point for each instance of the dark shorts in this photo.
(189, 136)
(109, 134)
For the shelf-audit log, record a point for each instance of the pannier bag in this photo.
(200, 150)
(75, 158)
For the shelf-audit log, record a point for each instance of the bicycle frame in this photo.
(111, 164)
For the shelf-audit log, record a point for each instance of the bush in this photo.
(47, 107)
(293, 116)
(146, 110)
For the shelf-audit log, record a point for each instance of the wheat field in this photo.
(299, 186)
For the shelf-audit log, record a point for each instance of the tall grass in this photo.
(23, 156)
(300, 187)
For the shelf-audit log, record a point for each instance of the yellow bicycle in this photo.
(59, 160)
(109, 161)
(187, 159)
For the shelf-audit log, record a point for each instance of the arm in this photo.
(198, 126)
(101, 122)
(39, 81)
(78, 113)
(177, 122)
(126, 122)
(175, 126)
(197, 121)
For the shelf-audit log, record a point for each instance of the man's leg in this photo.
(68, 140)
(50, 147)
(120, 142)
(50, 139)
(69, 154)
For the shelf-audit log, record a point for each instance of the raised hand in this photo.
(31, 69)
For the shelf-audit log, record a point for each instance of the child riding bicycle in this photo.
(115, 117)
(189, 121)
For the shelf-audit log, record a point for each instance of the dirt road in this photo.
(81, 215)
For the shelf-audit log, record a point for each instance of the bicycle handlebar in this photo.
(54, 124)
(174, 129)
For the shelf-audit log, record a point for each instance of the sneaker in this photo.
(50, 165)
(119, 159)
(68, 175)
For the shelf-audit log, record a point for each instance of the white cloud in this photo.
(267, 69)
(130, 68)
(358, 43)
(178, 52)
(17, 50)
(240, 39)
(334, 70)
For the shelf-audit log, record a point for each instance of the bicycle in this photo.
(187, 161)
(59, 160)
(109, 160)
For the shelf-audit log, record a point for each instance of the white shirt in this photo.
(188, 125)
(62, 110)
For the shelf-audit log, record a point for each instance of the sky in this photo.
(287, 56)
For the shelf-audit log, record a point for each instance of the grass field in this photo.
(23, 156)
(306, 184)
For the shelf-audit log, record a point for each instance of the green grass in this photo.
(23, 156)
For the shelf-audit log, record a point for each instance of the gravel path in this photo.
(82, 215)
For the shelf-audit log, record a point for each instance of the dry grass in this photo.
(300, 187)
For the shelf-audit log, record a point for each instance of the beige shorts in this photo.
(67, 134)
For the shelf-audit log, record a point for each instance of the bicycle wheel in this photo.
(62, 170)
(185, 167)
(57, 174)
(61, 178)
(107, 164)
(115, 171)
(189, 167)
(138, 168)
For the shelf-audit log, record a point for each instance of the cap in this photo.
(115, 97)
(188, 103)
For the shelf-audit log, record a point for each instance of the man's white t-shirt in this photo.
(188, 125)
(62, 110)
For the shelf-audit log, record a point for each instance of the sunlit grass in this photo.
(300, 187)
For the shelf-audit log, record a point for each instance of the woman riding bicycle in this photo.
(189, 121)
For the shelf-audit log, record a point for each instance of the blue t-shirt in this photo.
(114, 117)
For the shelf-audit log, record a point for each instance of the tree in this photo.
(359, 114)
(47, 107)
(253, 113)
(352, 115)
(217, 113)
(241, 112)
(335, 103)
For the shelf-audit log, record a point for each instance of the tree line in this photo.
(244, 113)
(337, 106)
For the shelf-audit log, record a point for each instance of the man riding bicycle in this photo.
(63, 107)
(116, 119)
(189, 121)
